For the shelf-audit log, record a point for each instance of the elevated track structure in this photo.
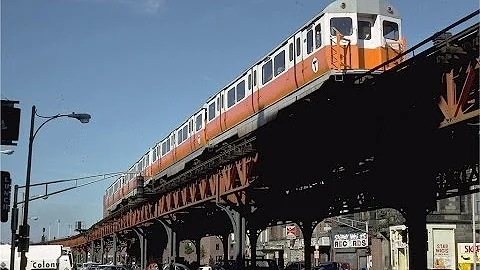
(354, 142)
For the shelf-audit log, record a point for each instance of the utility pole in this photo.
(474, 233)
(58, 229)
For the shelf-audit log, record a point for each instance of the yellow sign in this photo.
(465, 252)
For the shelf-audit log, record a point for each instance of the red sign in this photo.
(291, 230)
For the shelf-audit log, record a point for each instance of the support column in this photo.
(307, 227)
(172, 241)
(92, 252)
(416, 220)
(115, 239)
(143, 246)
(225, 247)
(253, 237)
(238, 224)
(102, 250)
(198, 247)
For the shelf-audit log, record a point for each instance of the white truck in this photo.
(39, 257)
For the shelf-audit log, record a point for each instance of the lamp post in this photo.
(24, 229)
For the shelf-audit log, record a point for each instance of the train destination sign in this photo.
(350, 240)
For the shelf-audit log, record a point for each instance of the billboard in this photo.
(10, 122)
(465, 252)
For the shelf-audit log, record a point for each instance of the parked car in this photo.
(333, 266)
(295, 266)
(174, 266)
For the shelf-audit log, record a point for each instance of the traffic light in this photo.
(5, 190)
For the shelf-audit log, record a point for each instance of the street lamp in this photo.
(7, 151)
(24, 229)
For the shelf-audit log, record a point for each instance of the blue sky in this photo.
(139, 67)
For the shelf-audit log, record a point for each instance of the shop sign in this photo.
(465, 252)
(350, 240)
(444, 256)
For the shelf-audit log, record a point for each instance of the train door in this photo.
(368, 41)
(249, 89)
(173, 145)
(290, 62)
(298, 59)
(191, 133)
(254, 95)
(221, 104)
(341, 35)
(391, 38)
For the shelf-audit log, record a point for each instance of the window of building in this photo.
(240, 90)
(310, 41)
(279, 62)
(341, 24)
(318, 36)
(390, 30)
(267, 74)
(364, 30)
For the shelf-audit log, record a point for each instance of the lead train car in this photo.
(348, 36)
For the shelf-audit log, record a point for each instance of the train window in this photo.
(318, 36)
(240, 90)
(211, 111)
(190, 125)
(168, 145)
(185, 132)
(299, 47)
(279, 62)
(154, 154)
(198, 122)
(164, 148)
(390, 30)
(147, 161)
(364, 30)
(180, 136)
(342, 25)
(290, 52)
(249, 81)
(310, 41)
(254, 78)
(218, 103)
(267, 72)
(231, 97)
(158, 151)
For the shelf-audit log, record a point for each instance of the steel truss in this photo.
(224, 185)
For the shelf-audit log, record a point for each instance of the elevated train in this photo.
(347, 37)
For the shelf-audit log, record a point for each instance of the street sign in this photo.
(5, 190)
(10, 122)
(291, 230)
